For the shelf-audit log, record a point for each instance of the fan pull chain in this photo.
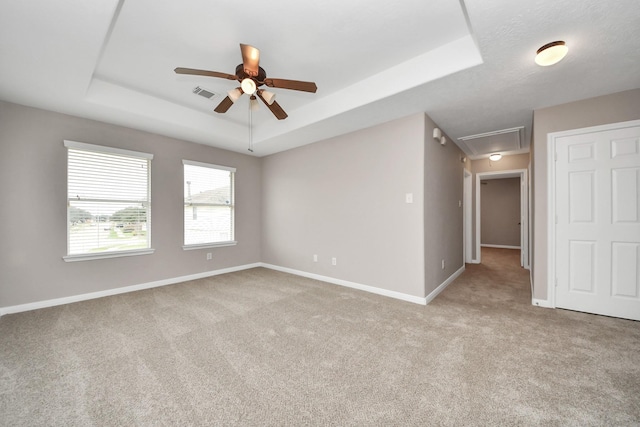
(250, 128)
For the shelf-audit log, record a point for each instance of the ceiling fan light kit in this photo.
(253, 103)
(235, 94)
(551, 53)
(248, 86)
(270, 97)
(251, 76)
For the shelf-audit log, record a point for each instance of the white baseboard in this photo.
(444, 284)
(93, 295)
(116, 291)
(345, 283)
(541, 303)
(372, 289)
(500, 246)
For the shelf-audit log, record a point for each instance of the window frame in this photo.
(232, 205)
(74, 145)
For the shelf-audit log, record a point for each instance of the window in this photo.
(208, 205)
(108, 212)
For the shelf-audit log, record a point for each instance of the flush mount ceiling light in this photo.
(495, 157)
(551, 53)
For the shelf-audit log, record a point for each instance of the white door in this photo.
(597, 263)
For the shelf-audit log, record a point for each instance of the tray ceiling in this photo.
(469, 65)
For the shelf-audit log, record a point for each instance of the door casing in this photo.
(524, 211)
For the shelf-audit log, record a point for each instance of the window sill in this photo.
(90, 257)
(209, 245)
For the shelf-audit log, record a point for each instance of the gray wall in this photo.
(33, 208)
(500, 212)
(345, 197)
(614, 108)
(443, 213)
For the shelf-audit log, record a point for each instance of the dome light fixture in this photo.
(495, 157)
(551, 53)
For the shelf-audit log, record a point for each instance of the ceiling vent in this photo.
(203, 92)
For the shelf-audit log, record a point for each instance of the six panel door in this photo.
(598, 222)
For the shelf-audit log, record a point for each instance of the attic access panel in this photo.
(504, 140)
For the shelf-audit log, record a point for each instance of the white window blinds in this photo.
(208, 204)
(108, 208)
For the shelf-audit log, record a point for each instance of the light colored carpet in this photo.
(261, 347)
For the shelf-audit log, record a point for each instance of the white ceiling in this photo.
(468, 64)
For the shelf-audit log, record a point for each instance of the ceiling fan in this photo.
(251, 76)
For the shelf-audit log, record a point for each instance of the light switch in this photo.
(408, 197)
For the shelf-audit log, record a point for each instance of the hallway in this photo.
(549, 366)
(497, 281)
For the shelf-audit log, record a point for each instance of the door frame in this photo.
(467, 217)
(524, 211)
(551, 196)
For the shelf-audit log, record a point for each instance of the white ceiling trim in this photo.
(450, 58)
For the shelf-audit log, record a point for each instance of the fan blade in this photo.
(292, 84)
(224, 105)
(195, 72)
(250, 59)
(275, 108)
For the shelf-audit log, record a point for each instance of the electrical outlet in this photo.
(408, 198)
(334, 261)
(315, 258)
(209, 256)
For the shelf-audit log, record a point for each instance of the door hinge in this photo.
(556, 282)
(555, 156)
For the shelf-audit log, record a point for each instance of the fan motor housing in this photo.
(259, 79)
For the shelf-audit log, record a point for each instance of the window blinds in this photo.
(108, 199)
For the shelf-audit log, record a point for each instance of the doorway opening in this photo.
(524, 217)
